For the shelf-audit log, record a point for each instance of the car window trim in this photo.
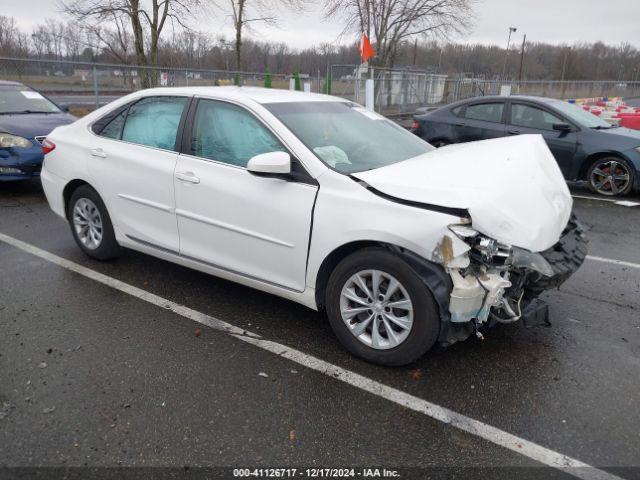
(540, 107)
(485, 102)
(303, 176)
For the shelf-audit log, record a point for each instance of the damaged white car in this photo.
(319, 201)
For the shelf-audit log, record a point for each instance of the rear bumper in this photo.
(53, 187)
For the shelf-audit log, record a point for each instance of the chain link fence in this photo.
(401, 91)
(86, 85)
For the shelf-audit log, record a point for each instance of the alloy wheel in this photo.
(377, 309)
(87, 223)
(610, 177)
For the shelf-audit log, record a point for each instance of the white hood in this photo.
(512, 187)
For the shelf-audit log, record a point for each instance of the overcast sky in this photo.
(555, 21)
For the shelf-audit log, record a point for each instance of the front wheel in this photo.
(610, 176)
(379, 308)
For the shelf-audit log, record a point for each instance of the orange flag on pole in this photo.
(366, 50)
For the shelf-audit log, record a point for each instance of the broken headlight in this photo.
(491, 252)
(483, 249)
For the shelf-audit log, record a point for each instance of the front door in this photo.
(525, 118)
(132, 165)
(229, 218)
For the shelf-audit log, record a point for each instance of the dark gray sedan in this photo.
(585, 146)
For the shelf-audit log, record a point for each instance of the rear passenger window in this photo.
(154, 122)
(113, 129)
(489, 112)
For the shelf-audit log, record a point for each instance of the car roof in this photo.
(511, 97)
(257, 94)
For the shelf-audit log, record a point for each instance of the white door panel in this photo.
(256, 226)
(137, 185)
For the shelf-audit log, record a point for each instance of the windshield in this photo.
(21, 99)
(346, 137)
(580, 116)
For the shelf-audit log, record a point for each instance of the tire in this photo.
(423, 318)
(86, 203)
(604, 183)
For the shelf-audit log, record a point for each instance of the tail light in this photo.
(415, 126)
(47, 146)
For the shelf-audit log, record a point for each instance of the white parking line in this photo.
(613, 262)
(487, 432)
(623, 203)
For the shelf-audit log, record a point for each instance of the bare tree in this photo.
(147, 19)
(246, 12)
(389, 23)
(13, 42)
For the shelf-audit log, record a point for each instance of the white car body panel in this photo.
(529, 212)
(245, 223)
(255, 230)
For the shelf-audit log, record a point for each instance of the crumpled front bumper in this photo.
(22, 163)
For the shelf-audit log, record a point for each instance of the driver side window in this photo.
(229, 134)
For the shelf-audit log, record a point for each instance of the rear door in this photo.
(529, 118)
(229, 218)
(132, 162)
(481, 121)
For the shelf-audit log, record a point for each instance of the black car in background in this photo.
(585, 146)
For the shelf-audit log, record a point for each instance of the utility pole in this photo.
(564, 63)
(524, 41)
(506, 55)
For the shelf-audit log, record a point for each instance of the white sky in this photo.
(555, 21)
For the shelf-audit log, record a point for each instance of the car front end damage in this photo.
(492, 282)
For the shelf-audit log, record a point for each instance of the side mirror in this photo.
(272, 163)
(562, 127)
(64, 108)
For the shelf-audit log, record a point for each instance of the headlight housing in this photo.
(491, 252)
(7, 141)
(483, 249)
(637, 149)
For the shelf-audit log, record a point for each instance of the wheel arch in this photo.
(593, 157)
(68, 190)
(433, 275)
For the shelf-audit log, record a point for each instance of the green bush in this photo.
(296, 79)
(267, 79)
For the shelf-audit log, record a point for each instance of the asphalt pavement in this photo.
(95, 376)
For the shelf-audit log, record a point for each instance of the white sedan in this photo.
(317, 200)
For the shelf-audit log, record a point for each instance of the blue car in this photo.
(26, 117)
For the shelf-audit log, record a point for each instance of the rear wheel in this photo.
(90, 224)
(610, 176)
(379, 308)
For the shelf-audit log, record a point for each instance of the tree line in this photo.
(99, 31)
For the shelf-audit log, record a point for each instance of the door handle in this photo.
(187, 177)
(461, 124)
(513, 132)
(97, 152)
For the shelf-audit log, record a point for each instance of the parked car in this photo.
(585, 146)
(26, 117)
(317, 200)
